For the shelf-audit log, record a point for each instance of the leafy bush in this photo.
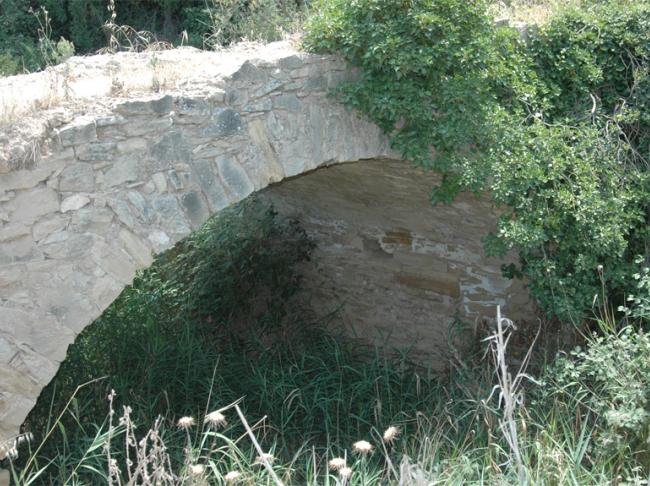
(424, 67)
(571, 208)
(608, 386)
(555, 130)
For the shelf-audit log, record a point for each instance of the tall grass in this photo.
(450, 430)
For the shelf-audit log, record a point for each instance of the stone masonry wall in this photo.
(396, 270)
(90, 188)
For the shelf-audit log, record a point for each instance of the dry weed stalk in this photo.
(511, 394)
(146, 461)
(126, 38)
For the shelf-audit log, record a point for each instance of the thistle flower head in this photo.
(345, 472)
(215, 419)
(232, 477)
(196, 470)
(390, 434)
(337, 464)
(362, 447)
(185, 423)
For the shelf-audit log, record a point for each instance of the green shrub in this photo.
(554, 129)
(607, 385)
(424, 68)
(571, 207)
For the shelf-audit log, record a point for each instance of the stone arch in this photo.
(107, 160)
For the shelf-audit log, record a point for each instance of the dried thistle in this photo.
(362, 447)
(345, 472)
(196, 470)
(232, 476)
(266, 457)
(215, 419)
(186, 423)
(390, 434)
(337, 464)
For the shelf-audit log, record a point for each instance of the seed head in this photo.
(362, 447)
(390, 434)
(345, 472)
(185, 423)
(337, 464)
(196, 470)
(232, 477)
(215, 419)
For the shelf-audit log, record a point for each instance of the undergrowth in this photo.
(209, 370)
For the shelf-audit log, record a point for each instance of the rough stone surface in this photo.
(397, 270)
(108, 159)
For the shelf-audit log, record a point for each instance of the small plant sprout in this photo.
(362, 447)
(337, 464)
(186, 423)
(215, 419)
(390, 434)
(232, 477)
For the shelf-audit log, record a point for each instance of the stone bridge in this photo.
(107, 160)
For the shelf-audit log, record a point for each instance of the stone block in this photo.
(110, 120)
(95, 151)
(48, 225)
(92, 219)
(26, 179)
(193, 107)
(13, 231)
(288, 102)
(74, 203)
(115, 263)
(235, 177)
(135, 128)
(195, 208)
(291, 62)
(30, 205)
(139, 251)
(224, 122)
(160, 182)
(66, 245)
(248, 73)
(81, 131)
(170, 215)
(77, 177)
(214, 191)
(126, 169)
(159, 106)
(169, 150)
